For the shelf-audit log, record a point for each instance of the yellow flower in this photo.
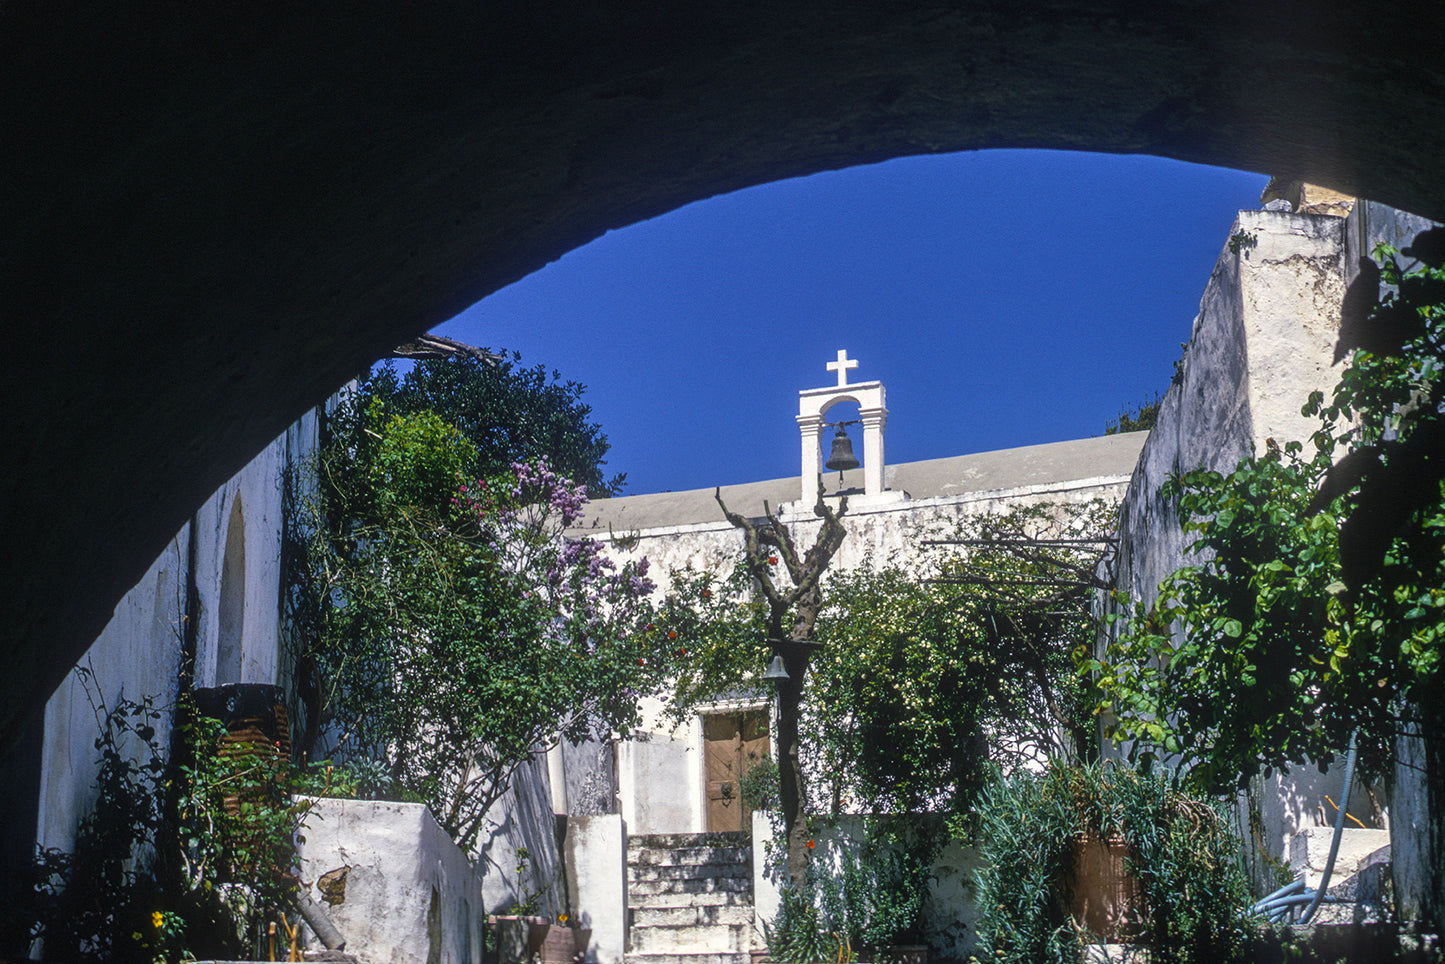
(562, 918)
(158, 919)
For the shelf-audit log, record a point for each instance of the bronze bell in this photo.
(842, 457)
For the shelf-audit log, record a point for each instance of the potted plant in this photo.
(559, 942)
(1081, 854)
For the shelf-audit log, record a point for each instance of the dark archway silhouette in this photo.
(214, 214)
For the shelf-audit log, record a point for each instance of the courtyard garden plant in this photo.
(1181, 852)
(448, 626)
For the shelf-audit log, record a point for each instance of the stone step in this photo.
(674, 841)
(665, 901)
(698, 939)
(693, 914)
(742, 957)
(688, 871)
(689, 855)
(708, 885)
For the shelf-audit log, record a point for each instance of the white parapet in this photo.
(392, 882)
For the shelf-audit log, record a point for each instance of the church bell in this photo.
(842, 456)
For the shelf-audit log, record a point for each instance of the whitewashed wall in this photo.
(408, 893)
(1262, 342)
(138, 654)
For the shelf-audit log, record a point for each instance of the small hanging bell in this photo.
(842, 456)
(775, 670)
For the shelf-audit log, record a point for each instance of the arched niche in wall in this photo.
(232, 609)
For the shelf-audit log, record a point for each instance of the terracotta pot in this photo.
(256, 723)
(561, 943)
(1102, 895)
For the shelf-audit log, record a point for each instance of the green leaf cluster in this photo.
(446, 623)
(934, 667)
(510, 412)
(1317, 604)
(929, 667)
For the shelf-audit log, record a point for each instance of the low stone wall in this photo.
(392, 882)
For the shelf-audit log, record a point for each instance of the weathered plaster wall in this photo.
(878, 531)
(408, 895)
(1263, 341)
(522, 819)
(596, 860)
(139, 653)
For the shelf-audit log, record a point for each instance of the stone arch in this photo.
(258, 202)
(231, 605)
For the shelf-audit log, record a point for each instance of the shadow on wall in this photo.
(520, 864)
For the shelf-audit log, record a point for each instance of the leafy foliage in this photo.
(801, 934)
(1181, 850)
(919, 659)
(450, 628)
(508, 412)
(176, 859)
(930, 671)
(1140, 418)
(1317, 605)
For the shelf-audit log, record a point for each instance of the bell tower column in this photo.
(873, 421)
(812, 428)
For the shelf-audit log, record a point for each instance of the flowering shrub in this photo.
(451, 625)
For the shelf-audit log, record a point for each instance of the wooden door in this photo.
(732, 743)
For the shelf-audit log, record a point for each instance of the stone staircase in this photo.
(689, 899)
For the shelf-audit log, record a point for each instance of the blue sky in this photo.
(1004, 298)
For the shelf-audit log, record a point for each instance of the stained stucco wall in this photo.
(399, 890)
(139, 653)
(1262, 342)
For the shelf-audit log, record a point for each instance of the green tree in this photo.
(1317, 607)
(1140, 418)
(918, 659)
(448, 627)
(508, 412)
(934, 667)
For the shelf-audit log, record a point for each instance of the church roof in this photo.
(1110, 457)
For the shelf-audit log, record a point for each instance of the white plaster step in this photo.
(718, 898)
(705, 885)
(693, 914)
(699, 938)
(687, 871)
(688, 856)
(741, 957)
(674, 841)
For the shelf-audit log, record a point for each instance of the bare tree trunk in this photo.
(791, 792)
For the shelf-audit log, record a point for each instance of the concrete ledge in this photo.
(393, 882)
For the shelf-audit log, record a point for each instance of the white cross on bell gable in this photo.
(842, 365)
